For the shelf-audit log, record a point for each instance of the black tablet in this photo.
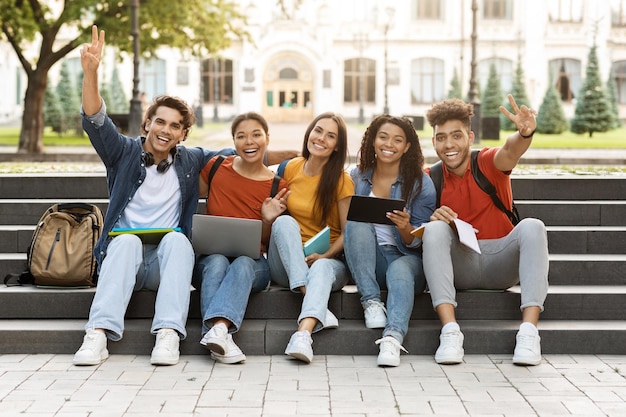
(373, 209)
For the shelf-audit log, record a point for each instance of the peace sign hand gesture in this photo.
(523, 117)
(91, 54)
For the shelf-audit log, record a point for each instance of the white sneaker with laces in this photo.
(232, 354)
(300, 346)
(390, 349)
(330, 322)
(93, 350)
(450, 349)
(375, 314)
(216, 339)
(165, 351)
(527, 346)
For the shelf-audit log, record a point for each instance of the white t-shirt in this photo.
(384, 232)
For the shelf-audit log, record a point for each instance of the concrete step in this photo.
(270, 337)
(564, 302)
(565, 269)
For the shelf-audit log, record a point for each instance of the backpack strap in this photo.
(436, 174)
(214, 168)
(486, 185)
(281, 168)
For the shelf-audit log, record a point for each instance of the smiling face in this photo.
(452, 143)
(390, 144)
(250, 140)
(322, 140)
(164, 131)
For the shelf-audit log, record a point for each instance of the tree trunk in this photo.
(32, 118)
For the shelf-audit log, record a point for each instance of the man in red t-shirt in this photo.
(508, 254)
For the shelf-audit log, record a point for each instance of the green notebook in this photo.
(149, 235)
(319, 243)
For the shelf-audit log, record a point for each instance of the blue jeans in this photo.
(519, 257)
(289, 269)
(375, 267)
(131, 266)
(225, 287)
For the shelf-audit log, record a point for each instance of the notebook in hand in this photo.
(373, 209)
(149, 235)
(229, 236)
(319, 243)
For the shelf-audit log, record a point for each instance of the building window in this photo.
(570, 11)
(355, 70)
(618, 13)
(288, 74)
(152, 78)
(428, 10)
(182, 75)
(619, 74)
(427, 85)
(565, 74)
(217, 80)
(497, 9)
(504, 68)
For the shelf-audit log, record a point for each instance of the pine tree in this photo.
(68, 99)
(551, 117)
(455, 87)
(611, 91)
(119, 103)
(492, 95)
(52, 114)
(518, 91)
(593, 111)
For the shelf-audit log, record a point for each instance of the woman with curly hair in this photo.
(384, 256)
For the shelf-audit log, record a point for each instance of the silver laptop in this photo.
(229, 236)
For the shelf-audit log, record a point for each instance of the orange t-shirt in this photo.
(473, 205)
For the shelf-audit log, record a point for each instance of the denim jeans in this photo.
(289, 269)
(131, 266)
(225, 287)
(519, 257)
(375, 267)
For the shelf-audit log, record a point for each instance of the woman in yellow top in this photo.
(319, 187)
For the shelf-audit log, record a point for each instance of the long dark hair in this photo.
(412, 161)
(332, 174)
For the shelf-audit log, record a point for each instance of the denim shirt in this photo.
(126, 171)
(420, 207)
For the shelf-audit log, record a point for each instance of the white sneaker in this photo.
(389, 351)
(375, 314)
(450, 349)
(93, 350)
(165, 351)
(300, 346)
(527, 346)
(216, 339)
(232, 353)
(330, 322)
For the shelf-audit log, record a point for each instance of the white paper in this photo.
(467, 234)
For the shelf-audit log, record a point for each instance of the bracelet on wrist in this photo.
(527, 136)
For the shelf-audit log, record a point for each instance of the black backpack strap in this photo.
(436, 174)
(486, 185)
(281, 168)
(275, 185)
(214, 168)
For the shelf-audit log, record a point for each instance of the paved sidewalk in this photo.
(563, 385)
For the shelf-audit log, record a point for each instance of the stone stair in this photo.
(584, 310)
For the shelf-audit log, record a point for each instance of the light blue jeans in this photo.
(375, 267)
(225, 287)
(289, 269)
(519, 257)
(131, 266)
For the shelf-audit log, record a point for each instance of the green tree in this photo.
(198, 26)
(611, 92)
(119, 103)
(52, 113)
(68, 99)
(492, 95)
(551, 117)
(593, 111)
(518, 91)
(455, 87)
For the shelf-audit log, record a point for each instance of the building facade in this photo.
(363, 57)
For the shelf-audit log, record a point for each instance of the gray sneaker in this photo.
(300, 346)
(375, 314)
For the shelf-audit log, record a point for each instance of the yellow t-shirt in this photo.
(301, 201)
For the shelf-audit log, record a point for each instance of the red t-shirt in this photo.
(473, 205)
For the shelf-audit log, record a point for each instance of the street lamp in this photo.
(135, 114)
(216, 94)
(473, 93)
(390, 12)
(361, 43)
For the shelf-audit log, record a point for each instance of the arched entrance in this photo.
(288, 89)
